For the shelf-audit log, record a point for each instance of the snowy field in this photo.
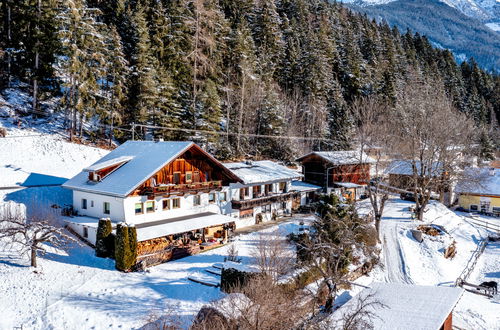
(75, 290)
(408, 261)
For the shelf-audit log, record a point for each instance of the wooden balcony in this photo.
(181, 189)
(272, 198)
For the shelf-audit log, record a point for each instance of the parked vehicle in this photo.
(409, 196)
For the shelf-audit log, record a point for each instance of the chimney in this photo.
(492, 171)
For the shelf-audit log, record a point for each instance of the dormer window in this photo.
(94, 177)
(99, 171)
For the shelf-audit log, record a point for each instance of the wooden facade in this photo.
(321, 172)
(191, 172)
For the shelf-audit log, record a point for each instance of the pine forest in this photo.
(240, 77)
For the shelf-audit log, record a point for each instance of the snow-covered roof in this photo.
(406, 306)
(261, 171)
(303, 186)
(108, 163)
(404, 167)
(348, 185)
(345, 157)
(149, 230)
(480, 181)
(143, 159)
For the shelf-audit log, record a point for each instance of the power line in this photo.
(191, 130)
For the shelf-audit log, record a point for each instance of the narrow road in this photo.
(395, 266)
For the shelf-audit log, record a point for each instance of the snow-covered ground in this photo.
(76, 290)
(408, 261)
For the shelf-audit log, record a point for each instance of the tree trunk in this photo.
(9, 38)
(37, 64)
(332, 291)
(419, 212)
(378, 218)
(33, 256)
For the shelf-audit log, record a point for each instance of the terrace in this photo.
(181, 189)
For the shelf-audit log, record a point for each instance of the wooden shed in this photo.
(331, 169)
(407, 306)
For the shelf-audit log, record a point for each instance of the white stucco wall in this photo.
(97, 210)
(186, 207)
(78, 228)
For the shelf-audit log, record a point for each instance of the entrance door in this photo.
(485, 206)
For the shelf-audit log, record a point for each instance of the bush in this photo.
(125, 247)
(367, 235)
(232, 278)
(132, 236)
(105, 242)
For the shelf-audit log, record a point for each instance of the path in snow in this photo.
(395, 267)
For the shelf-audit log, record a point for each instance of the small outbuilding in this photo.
(405, 306)
(480, 192)
(345, 172)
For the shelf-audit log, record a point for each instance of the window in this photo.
(107, 209)
(222, 196)
(189, 177)
(196, 176)
(91, 203)
(269, 188)
(138, 208)
(473, 208)
(496, 209)
(196, 200)
(176, 203)
(283, 186)
(166, 204)
(84, 203)
(256, 191)
(211, 198)
(247, 192)
(242, 193)
(85, 232)
(150, 206)
(177, 177)
(266, 208)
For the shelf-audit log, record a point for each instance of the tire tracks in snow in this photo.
(394, 260)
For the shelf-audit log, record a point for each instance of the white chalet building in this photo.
(267, 190)
(173, 191)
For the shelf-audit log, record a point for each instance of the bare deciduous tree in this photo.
(371, 128)
(28, 235)
(432, 137)
(273, 255)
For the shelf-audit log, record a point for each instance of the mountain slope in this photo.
(445, 26)
(483, 10)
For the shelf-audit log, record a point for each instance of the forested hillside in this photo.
(235, 68)
(444, 25)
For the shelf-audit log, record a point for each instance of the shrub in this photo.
(125, 247)
(104, 245)
(232, 278)
(132, 236)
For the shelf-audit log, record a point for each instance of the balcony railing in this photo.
(275, 198)
(185, 188)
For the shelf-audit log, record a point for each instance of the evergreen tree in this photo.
(486, 147)
(123, 254)
(104, 244)
(132, 237)
(84, 61)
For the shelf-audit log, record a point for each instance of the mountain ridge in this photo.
(445, 26)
